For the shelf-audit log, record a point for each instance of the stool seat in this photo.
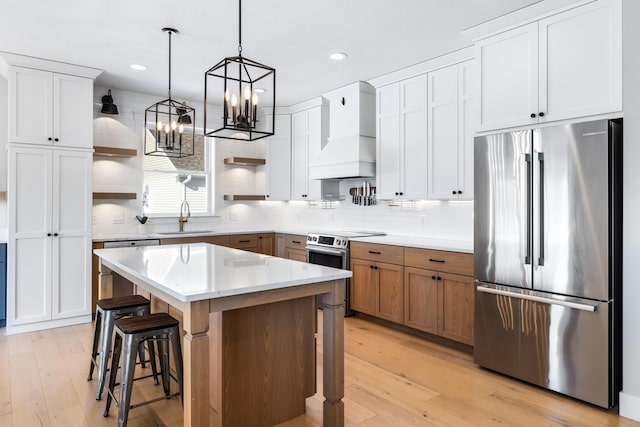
(120, 303)
(150, 322)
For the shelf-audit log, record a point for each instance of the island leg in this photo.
(105, 281)
(196, 364)
(333, 355)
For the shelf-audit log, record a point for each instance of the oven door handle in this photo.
(328, 251)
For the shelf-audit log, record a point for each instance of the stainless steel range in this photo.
(332, 250)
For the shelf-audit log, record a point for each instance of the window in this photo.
(174, 180)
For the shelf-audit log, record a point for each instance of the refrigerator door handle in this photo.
(570, 304)
(541, 207)
(527, 257)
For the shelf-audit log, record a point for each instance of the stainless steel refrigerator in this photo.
(547, 255)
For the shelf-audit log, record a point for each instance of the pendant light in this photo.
(235, 82)
(169, 125)
(108, 107)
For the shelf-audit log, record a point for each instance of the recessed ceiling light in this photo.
(137, 67)
(338, 56)
(259, 90)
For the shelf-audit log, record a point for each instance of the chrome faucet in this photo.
(185, 213)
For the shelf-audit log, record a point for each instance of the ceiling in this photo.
(293, 36)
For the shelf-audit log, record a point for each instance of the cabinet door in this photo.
(413, 138)
(443, 140)
(281, 246)
(581, 61)
(30, 106)
(72, 111)
(317, 137)
(390, 291)
(455, 295)
(300, 157)
(467, 126)
(508, 74)
(71, 260)
(363, 285)
(278, 164)
(266, 243)
(296, 255)
(29, 252)
(388, 141)
(421, 299)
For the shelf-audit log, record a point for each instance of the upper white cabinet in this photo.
(48, 108)
(309, 129)
(451, 126)
(401, 145)
(49, 257)
(278, 160)
(564, 66)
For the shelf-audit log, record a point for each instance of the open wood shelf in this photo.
(244, 197)
(114, 196)
(114, 152)
(3, 195)
(244, 161)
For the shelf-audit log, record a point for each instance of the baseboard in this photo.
(38, 326)
(629, 406)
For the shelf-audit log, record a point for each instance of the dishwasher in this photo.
(121, 286)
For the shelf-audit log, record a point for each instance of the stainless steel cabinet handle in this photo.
(527, 257)
(541, 205)
(569, 304)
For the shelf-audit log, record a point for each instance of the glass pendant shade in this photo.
(169, 124)
(240, 111)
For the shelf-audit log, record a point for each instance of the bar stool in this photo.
(130, 333)
(107, 311)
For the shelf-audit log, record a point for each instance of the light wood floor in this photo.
(392, 379)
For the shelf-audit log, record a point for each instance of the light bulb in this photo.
(234, 100)
(247, 93)
(255, 99)
(173, 125)
(226, 95)
(167, 128)
(181, 128)
(159, 125)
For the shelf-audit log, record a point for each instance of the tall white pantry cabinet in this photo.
(49, 197)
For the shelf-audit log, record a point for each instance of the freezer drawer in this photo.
(556, 342)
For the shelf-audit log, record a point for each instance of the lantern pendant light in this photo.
(235, 83)
(169, 124)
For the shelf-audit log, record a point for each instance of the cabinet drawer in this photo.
(374, 252)
(240, 241)
(296, 241)
(450, 262)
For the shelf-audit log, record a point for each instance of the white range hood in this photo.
(350, 150)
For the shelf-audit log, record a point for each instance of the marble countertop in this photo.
(198, 271)
(420, 242)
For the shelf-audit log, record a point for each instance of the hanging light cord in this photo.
(170, 32)
(239, 27)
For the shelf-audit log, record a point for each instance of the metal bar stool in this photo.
(130, 333)
(107, 311)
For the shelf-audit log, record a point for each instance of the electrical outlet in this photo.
(93, 220)
(118, 218)
(233, 216)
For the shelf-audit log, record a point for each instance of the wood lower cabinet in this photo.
(267, 243)
(377, 288)
(439, 300)
(296, 247)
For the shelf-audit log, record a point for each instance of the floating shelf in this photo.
(114, 152)
(114, 196)
(244, 161)
(244, 197)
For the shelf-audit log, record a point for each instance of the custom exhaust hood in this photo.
(350, 150)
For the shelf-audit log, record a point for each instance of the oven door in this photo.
(331, 257)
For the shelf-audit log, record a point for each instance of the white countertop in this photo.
(198, 271)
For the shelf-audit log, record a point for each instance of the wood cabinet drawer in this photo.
(375, 252)
(241, 241)
(296, 241)
(450, 262)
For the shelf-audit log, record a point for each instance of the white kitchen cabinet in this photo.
(451, 126)
(309, 129)
(49, 257)
(278, 160)
(564, 66)
(401, 145)
(47, 108)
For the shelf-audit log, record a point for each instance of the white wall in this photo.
(630, 396)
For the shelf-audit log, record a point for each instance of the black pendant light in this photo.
(235, 82)
(108, 107)
(169, 124)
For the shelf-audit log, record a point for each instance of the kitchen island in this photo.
(249, 324)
